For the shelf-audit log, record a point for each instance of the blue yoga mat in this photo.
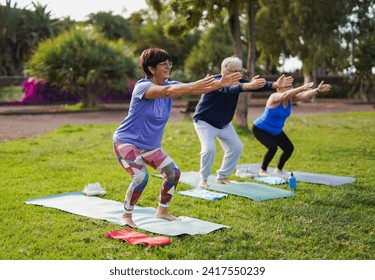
(272, 180)
(203, 194)
(111, 211)
(254, 191)
(250, 170)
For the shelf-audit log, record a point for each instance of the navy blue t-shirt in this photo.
(217, 107)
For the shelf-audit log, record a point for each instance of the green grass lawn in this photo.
(11, 93)
(320, 223)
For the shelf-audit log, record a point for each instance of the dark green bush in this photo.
(82, 61)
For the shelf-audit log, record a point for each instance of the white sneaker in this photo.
(94, 189)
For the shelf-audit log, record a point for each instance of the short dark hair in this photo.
(151, 57)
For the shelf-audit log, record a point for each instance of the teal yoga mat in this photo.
(254, 191)
(111, 211)
(250, 170)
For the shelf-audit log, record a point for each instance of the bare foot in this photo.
(224, 181)
(263, 173)
(280, 172)
(128, 220)
(203, 184)
(162, 213)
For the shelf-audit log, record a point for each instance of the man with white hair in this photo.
(213, 116)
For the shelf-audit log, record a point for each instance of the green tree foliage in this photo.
(112, 26)
(307, 29)
(187, 14)
(206, 56)
(20, 31)
(363, 49)
(328, 36)
(192, 14)
(148, 31)
(84, 62)
(269, 26)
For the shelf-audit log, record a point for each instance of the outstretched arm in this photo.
(175, 90)
(278, 97)
(312, 92)
(260, 84)
(204, 85)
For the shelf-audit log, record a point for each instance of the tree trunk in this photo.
(90, 98)
(251, 54)
(235, 28)
(307, 78)
(245, 98)
(363, 92)
(240, 116)
(92, 90)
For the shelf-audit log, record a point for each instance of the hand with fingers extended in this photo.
(283, 82)
(229, 79)
(203, 85)
(307, 85)
(255, 83)
(323, 87)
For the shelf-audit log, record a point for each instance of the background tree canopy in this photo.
(329, 37)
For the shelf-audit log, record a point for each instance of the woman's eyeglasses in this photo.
(166, 63)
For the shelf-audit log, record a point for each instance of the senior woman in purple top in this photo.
(137, 141)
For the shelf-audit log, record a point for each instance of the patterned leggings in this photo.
(134, 161)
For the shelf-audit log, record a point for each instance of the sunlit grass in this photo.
(321, 222)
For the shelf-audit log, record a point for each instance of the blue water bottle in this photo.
(292, 182)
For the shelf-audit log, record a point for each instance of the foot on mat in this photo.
(281, 173)
(263, 173)
(128, 220)
(203, 184)
(162, 213)
(224, 181)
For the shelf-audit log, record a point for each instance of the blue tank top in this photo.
(273, 120)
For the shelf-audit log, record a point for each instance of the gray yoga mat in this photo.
(111, 211)
(251, 170)
(254, 191)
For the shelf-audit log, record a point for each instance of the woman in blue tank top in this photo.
(268, 128)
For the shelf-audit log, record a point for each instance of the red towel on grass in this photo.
(133, 237)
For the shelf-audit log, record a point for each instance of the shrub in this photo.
(83, 62)
(37, 91)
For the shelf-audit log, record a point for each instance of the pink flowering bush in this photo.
(37, 91)
(113, 97)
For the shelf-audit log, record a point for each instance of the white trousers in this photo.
(229, 141)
